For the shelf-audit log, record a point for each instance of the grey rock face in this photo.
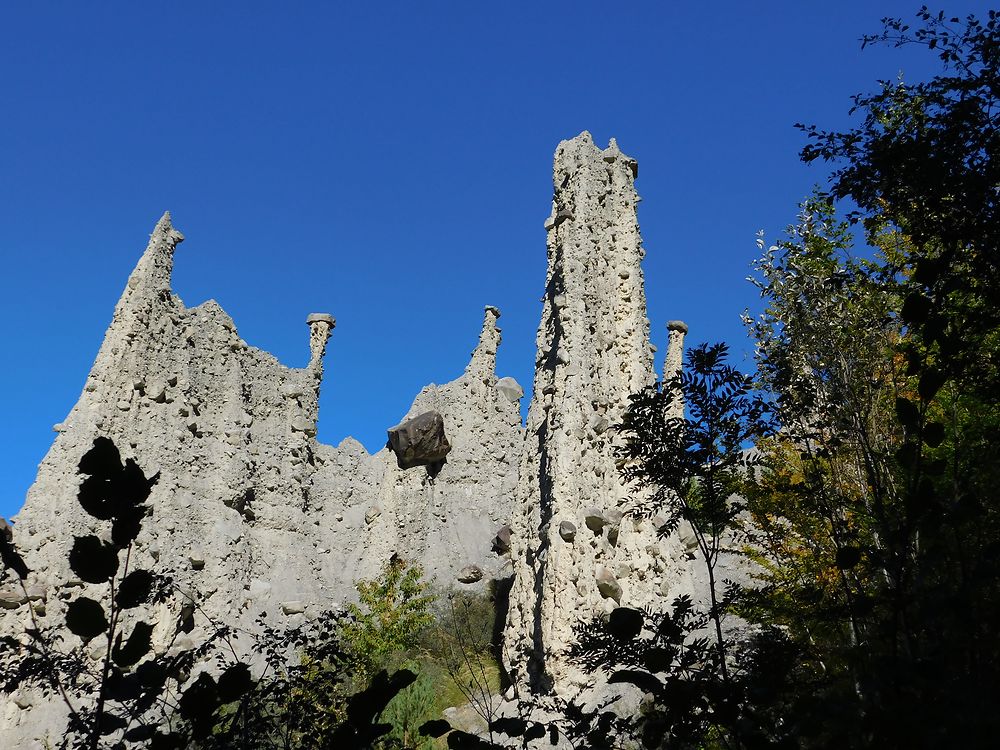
(252, 513)
(593, 352)
(419, 441)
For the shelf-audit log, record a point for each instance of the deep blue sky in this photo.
(389, 163)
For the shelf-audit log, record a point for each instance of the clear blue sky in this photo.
(389, 163)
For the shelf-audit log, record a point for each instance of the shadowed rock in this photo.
(419, 441)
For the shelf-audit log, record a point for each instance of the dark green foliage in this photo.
(926, 160)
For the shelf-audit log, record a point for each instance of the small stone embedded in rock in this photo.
(419, 441)
(501, 542)
(470, 574)
(371, 514)
(510, 388)
(197, 560)
(608, 585)
(293, 608)
(595, 520)
(11, 598)
(687, 536)
(307, 426)
(567, 530)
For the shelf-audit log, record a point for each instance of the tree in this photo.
(391, 612)
(687, 470)
(864, 508)
(926, 161)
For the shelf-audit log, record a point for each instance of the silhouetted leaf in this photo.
(930, 383)
(168, 741)
(535, 731)
(625, 623)
(8, 554)
(94, 497)
(458, 740)
(136, 647)
(93, 560)
(933, 434)
(111, 723)
(642, 680)
(134, 589)
(916, 308)
(127, 525)
(908, 413)
(103, 460)
(848, 557)
(658, 659)
(199, 701)
(435, 728)
(140, 734)
(234, 683)
(907, 455)
(121, 686)
(512, 726)
(85, 618)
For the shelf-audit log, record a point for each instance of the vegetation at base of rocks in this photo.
(870, 512)
(211, 694)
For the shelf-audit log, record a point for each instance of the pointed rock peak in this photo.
(674, 362)
(164, 230)
(484, 359)
(613, 154)
(152, 273)
(577, 149)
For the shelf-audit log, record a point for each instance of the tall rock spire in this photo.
(673, 364)
(574, 554)
(483, 362)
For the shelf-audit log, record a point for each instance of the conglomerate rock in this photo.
(575, 554)
(253, 515)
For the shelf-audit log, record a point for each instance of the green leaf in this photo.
(93, 560)
(85, 618)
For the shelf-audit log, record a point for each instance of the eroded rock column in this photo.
(576, 551)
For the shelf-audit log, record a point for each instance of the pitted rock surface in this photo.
(593, 352)
(253, 515)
